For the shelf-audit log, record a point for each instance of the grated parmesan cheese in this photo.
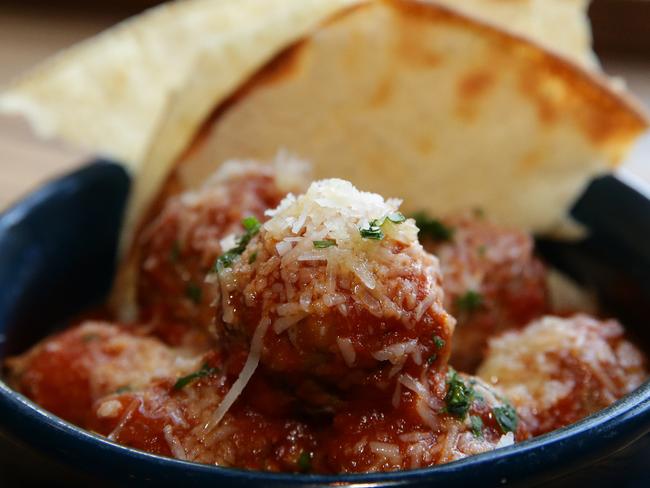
(174, 444)
(545, 363)
(395, 353)
(109, 409)
(347, 350)
(387, 450)
(506, 440)
(244, 377)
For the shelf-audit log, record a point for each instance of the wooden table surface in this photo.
(29, 34)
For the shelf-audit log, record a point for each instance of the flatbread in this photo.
(138, 92)
(412, 100)
(110, 93)
(561, 26)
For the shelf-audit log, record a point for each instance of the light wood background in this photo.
(29, 33)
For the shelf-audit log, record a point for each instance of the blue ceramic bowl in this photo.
(57, 257)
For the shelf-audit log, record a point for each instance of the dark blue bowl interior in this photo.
(57, 259)
(57, 252)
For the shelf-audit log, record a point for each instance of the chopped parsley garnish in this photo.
(459, 396)
(123, 389)
(432, 359)
(470, 301)
(226, 259)
(482, 249)
(396, 217)
(252, 227)
(252, 258)
(175, 252)
(304, 462)
(477, 425)
(183, 381)
(193, 292)
(374, 231)
(434, 229)
(324, 244)
(506, 417)
(438, 341)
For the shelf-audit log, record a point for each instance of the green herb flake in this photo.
(470, 301)
(396, 217)
(432, 359)
(183, 381)
(304, 462)
(372, 232)
(193, 292)
(324, 244)
(252, 258)
(225, 260)
(433, 229)
(251, 225)
(477, 425)
(252, 228)
(123, 389)
(506, 417)
(481, 250)
(438, 341)
(175, 252)
(459, 396)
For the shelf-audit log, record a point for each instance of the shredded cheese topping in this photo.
(376, 274)
(244, 377)
(541, 365)
(335, 209)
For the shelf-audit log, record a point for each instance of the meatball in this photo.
(431, 420)
(558, 370)
(169, 418)
(336, 287)
(491, 278)
(180, 246)
(67, 372)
